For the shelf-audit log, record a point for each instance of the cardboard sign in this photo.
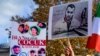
(69, 20)
(28, 39)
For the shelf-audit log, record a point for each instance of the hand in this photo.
(68, 51)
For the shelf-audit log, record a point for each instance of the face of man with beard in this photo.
(69, 12)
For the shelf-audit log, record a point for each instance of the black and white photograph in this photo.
(68, 20)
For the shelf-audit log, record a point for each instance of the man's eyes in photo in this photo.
(69, 12)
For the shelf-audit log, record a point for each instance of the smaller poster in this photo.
(69, 20)
(28, 39)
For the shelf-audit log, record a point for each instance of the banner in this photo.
(28, 39)
(69, 20)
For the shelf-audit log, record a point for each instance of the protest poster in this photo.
(69, 20)
(28, 39)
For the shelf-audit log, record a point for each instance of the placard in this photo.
(28, 39)
(69, 20)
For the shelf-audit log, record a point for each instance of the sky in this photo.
(9, 8)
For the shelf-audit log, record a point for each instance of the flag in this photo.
(94, 40)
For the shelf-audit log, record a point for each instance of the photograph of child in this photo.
(35, 31)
